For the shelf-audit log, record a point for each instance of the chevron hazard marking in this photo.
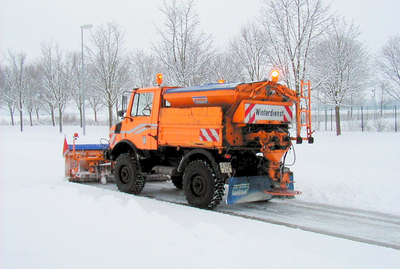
(210, 135)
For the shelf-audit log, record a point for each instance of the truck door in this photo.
(142, 120)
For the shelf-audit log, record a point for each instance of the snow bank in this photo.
(47, 222)
(358, 170)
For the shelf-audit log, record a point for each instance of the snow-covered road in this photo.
(354, 224)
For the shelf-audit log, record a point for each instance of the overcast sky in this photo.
(24, 24)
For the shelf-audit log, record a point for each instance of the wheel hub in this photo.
(197, 186)
(124, 175)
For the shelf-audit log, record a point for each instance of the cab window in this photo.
(142, 104)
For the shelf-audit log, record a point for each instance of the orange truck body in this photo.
(221, 110)
(208, 137)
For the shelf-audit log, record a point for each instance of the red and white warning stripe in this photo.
(211, 135)
(288, 114)
(250, 113)
(112, 140)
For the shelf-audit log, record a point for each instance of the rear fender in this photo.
(199, 154)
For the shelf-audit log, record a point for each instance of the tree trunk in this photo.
(337, 113)
(21, 119)
(37, 114)
(61, 119)
(12, 118)
(81, 116)
(95, 115)
(110, 107)
(21, 116)
(53, 118)
(116, 111)
(30, 118)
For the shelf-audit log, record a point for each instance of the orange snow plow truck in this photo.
(210, 138)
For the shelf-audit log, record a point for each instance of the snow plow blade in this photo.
(86, 163)
(248, 189)
(255, 188)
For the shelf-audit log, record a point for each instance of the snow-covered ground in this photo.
(358, 170)
(47, 222)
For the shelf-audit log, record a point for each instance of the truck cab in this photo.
(140, 121)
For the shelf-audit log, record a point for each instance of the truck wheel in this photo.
(202, 189)
(177, 181)
(127, 176)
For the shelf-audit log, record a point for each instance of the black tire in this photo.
(127, 175)
(202, 189)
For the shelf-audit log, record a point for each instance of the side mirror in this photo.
(121, 113)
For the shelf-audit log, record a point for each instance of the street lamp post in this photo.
(85, 26)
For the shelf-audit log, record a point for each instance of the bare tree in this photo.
(73, 69)
(55, 80)
(9, 102)
(250, 48)
(293, 28)
(227, 67)
(382, 96)
(110, 64)
(7, 97)
(2, 85)
(144, 69)
(93, 95)
(17, 81)
(184, 50)
(32, 100)
(340, 67)
(389, 63)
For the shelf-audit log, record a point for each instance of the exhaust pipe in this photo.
(163, 170)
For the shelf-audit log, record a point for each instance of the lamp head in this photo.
(86, 26)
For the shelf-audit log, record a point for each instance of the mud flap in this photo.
(248, 189)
